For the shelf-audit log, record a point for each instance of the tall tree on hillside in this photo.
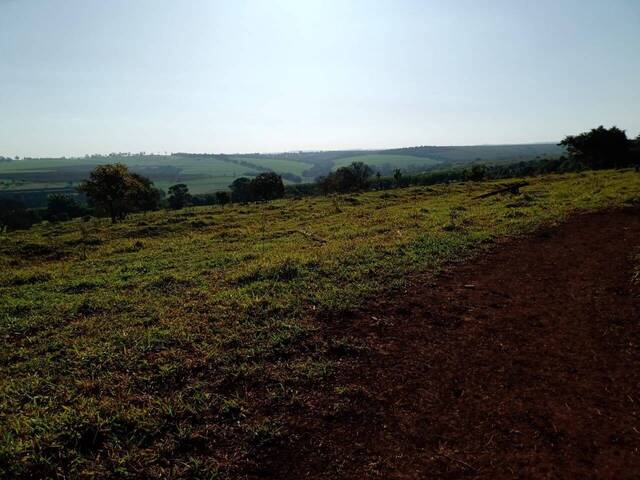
(222, 198)
(116, 191)
(599, 148)
(397, 176)
(145, 197)
(266, 186)
(477, 173)
(179, 196)
(14, 215)
(361, 172)
(62, 207)
(240, 191)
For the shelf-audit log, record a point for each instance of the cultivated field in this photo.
(177, 344)
(209, 173)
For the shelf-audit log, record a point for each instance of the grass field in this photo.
(277, 164)
(174, 344)
(202, 175)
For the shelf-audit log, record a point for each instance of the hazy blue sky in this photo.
(83, 76)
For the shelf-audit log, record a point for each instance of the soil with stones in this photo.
(522, 363)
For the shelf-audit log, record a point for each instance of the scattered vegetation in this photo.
(173, 343)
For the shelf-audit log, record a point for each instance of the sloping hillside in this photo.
(182, 344)
(205, 173)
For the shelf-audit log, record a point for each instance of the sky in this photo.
(100, 76)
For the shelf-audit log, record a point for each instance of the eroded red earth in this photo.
(523, 363)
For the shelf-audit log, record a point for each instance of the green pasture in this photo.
(176, 343)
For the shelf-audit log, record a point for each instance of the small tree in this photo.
(14, 215)
(361, 173)
(62, 207)
(397, 176)
(477, 173)
(222, 198)
(115, 191)
(240, 190)
(144, 196)
(266, 186)
(179, 196)
(599, 148)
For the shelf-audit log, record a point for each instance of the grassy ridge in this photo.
(173, 344)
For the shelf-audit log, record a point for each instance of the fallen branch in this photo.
(513, 188)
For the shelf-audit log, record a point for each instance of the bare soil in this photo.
(523, 363)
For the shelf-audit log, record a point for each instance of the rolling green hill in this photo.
(205, 173)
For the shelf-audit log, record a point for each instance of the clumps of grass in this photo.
(348, 399)
(456, 219)
(311, 370)
(231, 409)
(170, 284)
(149, 231)
(88, 241)
(80, 287)
(284, 271)
(634, 202)
(89, 307)
(515, 214)
(525, 200)
(198, 224)
(37, 251)
(351, 200)
(131, 247)
(347, 346)
(29, 278)
(264, 434)
(352, 392)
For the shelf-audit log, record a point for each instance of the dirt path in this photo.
(524, 363)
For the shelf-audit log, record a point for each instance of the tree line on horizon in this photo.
(114, 191)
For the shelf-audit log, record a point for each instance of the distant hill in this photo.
(205, 172)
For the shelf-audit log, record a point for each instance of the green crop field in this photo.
(277, 164)
(202, 174)
(394, 161)
(174, 344)
(206, 173)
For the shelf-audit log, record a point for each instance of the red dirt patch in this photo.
(522, 363)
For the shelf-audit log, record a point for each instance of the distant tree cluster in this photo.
(264, 187)
(62, 207)
(347, 179)
(14, 215)
(600, 148)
